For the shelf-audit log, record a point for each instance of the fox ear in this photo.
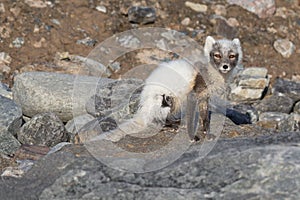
(209, 42)
(236, 41)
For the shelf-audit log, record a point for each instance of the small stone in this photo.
(5, 58)
(115, 66)
(55, 21)
(292, 123)
(186, 21)
(233, 22)
(141, 15)
(87, 41)
(219, 10)
(5, 31)
(39, 44)
(276, 103)
(101, 9)
(284, 47)
(262, 8)
(196, 6)
(36, 3)
(43, 129)
(10, 115)
(16, 11)
(18, 42)
(2, 8)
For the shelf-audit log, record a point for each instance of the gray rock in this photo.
(276, 103)
(249, 85)
(297, 108)
(284, 47)
(272, 119)
(43, 129)
(5, 91)
(292, 123)
(117, 99)
(10, 115)
(262, 8)
(141, 15)
(287, 87)
(234, 169)
(63, 94)
(255, 72)
(8, 143)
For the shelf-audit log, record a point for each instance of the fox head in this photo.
(224, 55)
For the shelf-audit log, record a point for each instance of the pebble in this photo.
(2, 8)
(10, 115)
(5, 58)
(219, 10)
(43, 129)
(5, 31)
(36, 3)
(262, 8)
(141, 15)
(196, 6)
(101, 9)
(233, 22)
(87, 42)
(18, 42)
(63, 94)
(284, 47)
(186, 21)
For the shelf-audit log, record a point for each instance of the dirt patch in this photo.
(61, 25)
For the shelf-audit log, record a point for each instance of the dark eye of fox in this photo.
(232, 57)
(217, 56)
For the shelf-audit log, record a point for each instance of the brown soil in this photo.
(79, 19)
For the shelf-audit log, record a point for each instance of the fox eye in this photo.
(217, 56)
(231, 57)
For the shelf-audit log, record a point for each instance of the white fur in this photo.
(175, 79)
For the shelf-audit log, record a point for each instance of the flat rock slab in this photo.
(234, 169)
(63, 94)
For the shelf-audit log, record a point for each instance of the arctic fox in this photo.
(167, 87)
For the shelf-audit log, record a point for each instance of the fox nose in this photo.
(225, 67)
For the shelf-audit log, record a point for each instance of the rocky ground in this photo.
(44, 149)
